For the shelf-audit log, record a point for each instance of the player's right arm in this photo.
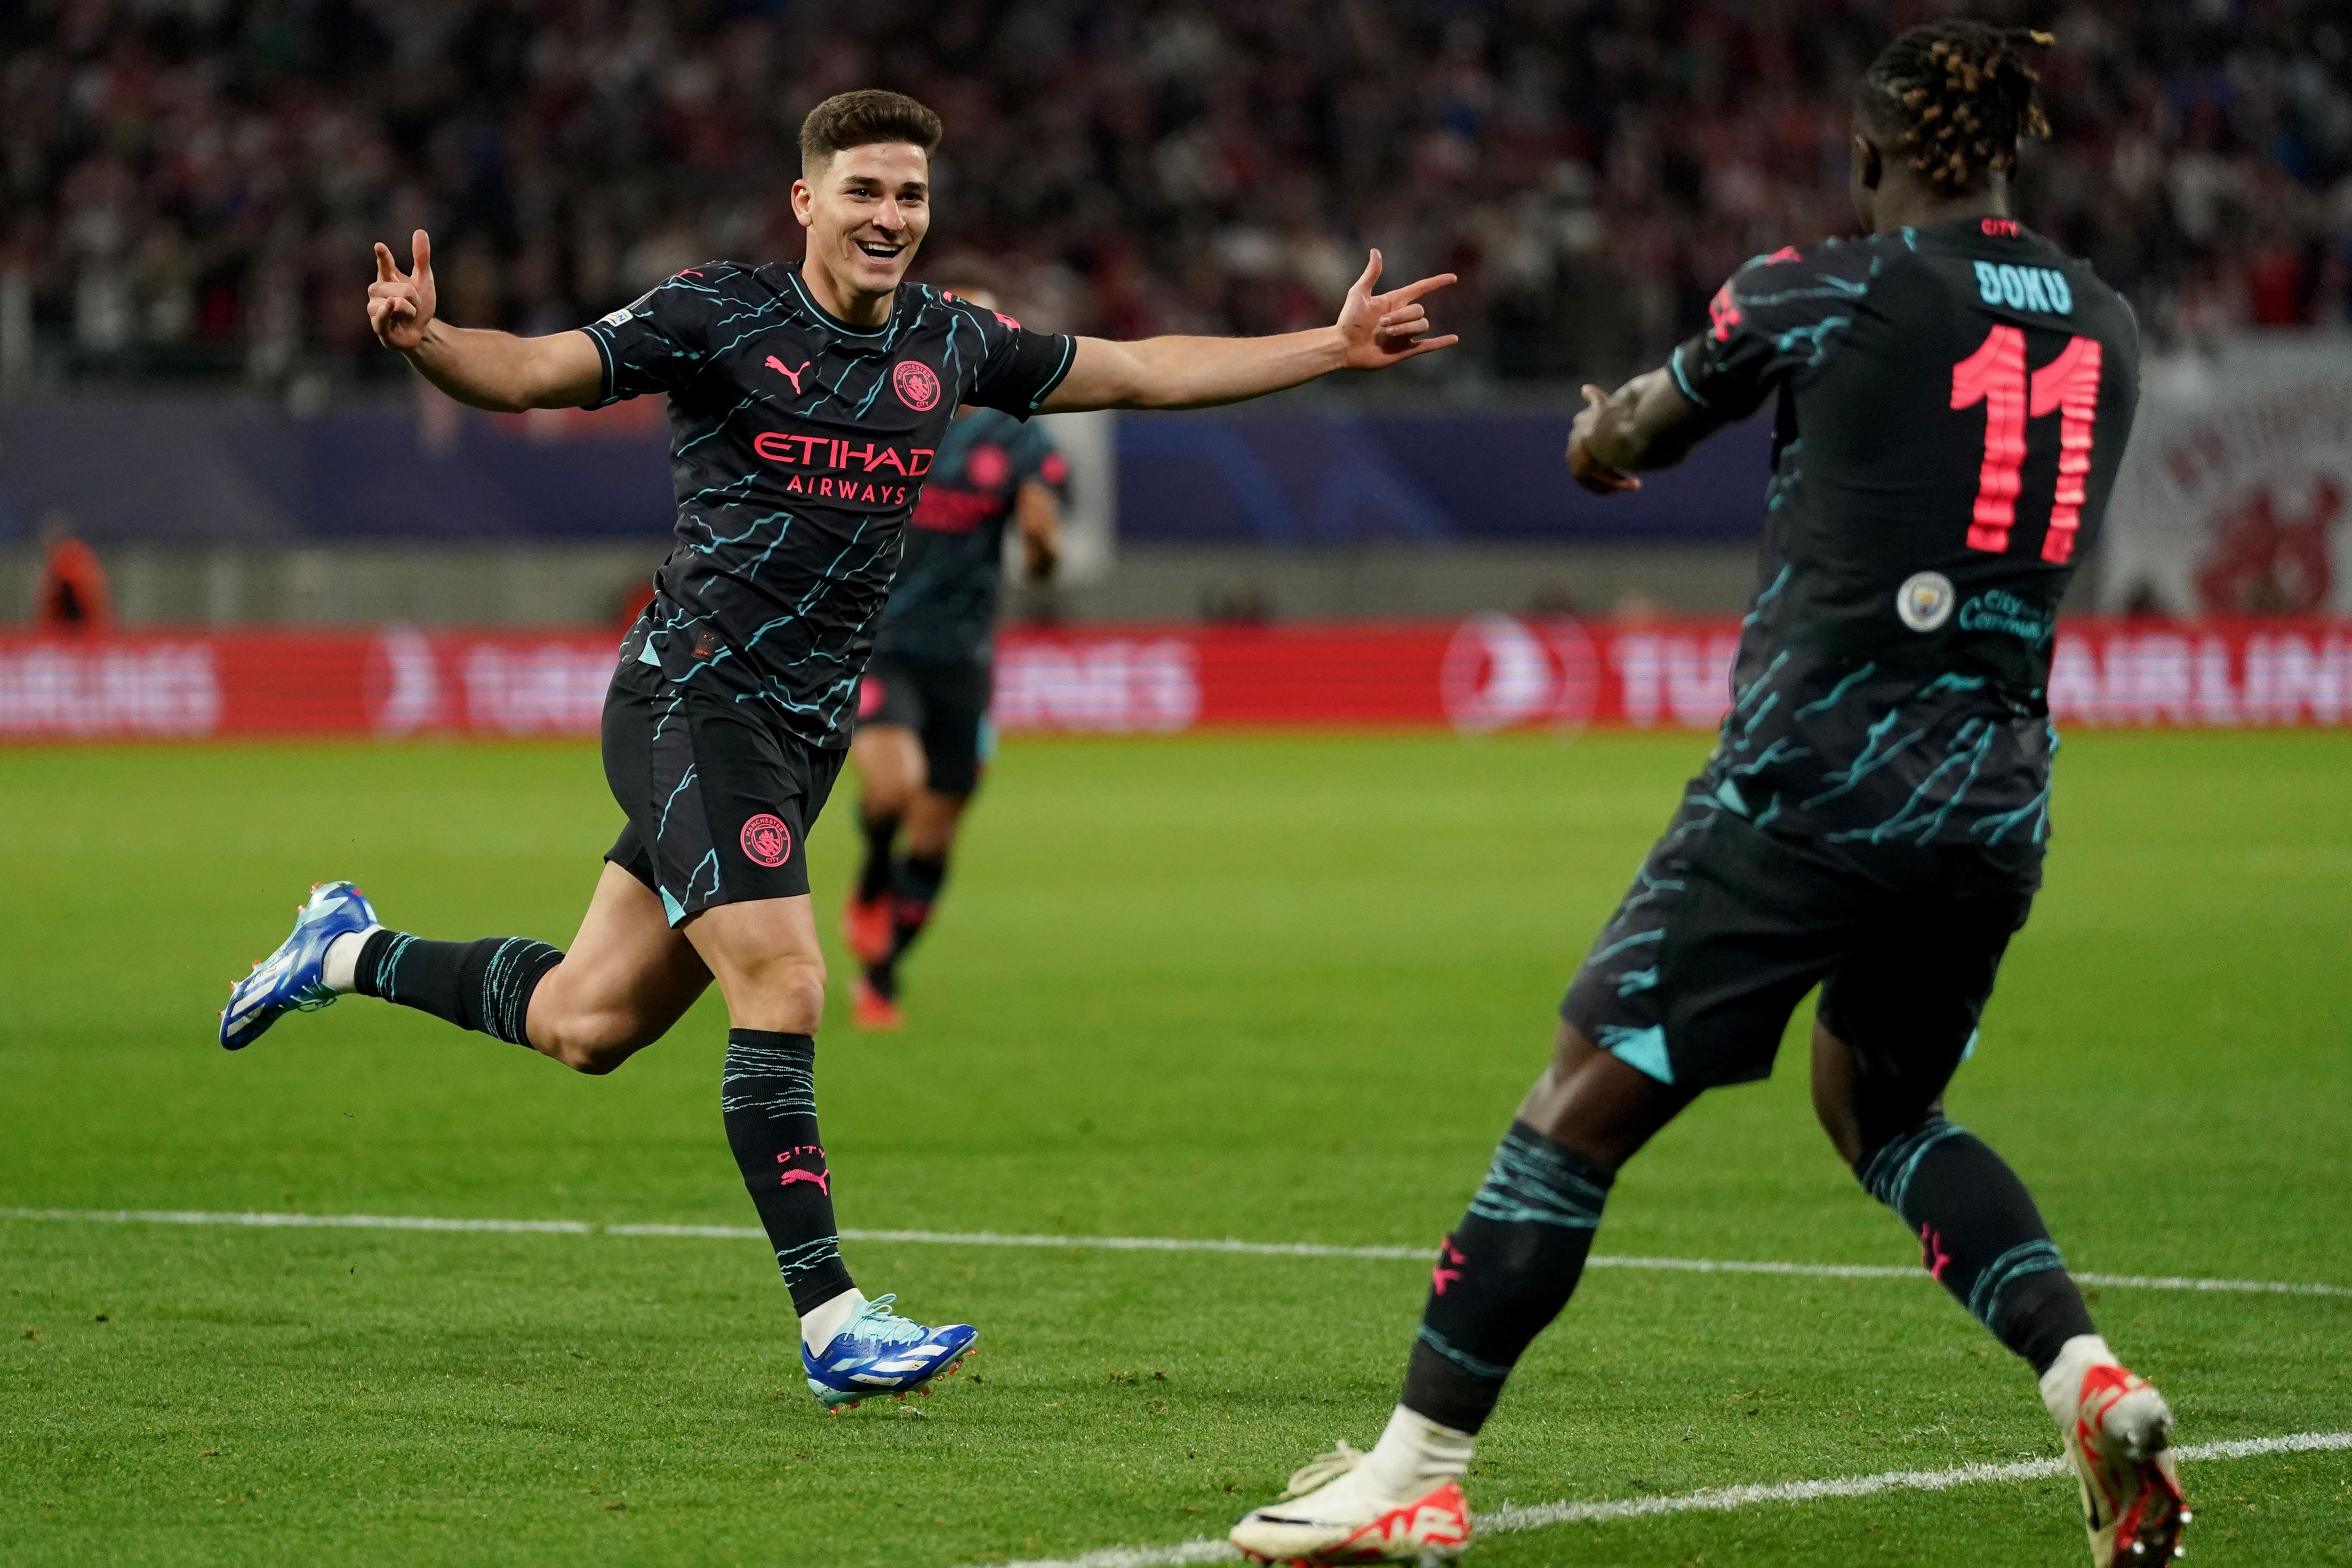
(496, 370)
(1777, 316)
(1646, 423)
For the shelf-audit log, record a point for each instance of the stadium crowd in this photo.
(191, 185)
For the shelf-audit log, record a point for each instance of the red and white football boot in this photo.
(2119, 1440)
(1334, 1513)
(870, 1008)
(865, 927)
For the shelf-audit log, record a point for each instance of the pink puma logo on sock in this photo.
(1932, 1256)
(777, 365)
(1441, 1276)
(820, 1177)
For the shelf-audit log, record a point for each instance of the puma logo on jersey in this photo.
(777, 365)
(2042, 289)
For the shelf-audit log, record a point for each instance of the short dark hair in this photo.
(1956, 96)
(863, 118)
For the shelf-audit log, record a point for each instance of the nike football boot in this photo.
(290, 979)
(879, 1351)
(1333, 1514)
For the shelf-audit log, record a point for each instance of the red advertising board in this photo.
(1488, 672)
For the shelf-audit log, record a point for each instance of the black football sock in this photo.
(914, 888)
(1507, 1270)
(485, 984)
(874, 880)
(1980, 1236)
(768, 1095)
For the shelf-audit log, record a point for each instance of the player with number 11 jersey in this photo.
(1951, 402)
(1951, 395)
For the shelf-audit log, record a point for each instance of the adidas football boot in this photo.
(879, 1351)
(290, 979)
(1333, 1514)
(2120, 1442)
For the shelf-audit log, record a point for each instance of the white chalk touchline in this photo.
(1513, 1516)
(1101, 1243)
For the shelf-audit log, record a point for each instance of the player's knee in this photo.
(1836, 1115)
(882, 798)
(596, 1044)
(786, 993)
(931, 840)
(1836, 1085)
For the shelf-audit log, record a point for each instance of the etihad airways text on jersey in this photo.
(832, 454)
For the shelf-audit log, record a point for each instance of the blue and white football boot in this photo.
(879, 1351)
(291, 979)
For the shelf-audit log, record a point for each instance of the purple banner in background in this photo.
(1335, 479)
(196, 472)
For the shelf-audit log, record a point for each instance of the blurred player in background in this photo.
(1953, 395)
(807, 406)
(923, 733)
(70, 597)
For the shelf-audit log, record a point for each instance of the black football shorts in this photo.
(719, 797)
(1727, 927)
(945, 703)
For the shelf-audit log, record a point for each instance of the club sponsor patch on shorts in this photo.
(767, 841)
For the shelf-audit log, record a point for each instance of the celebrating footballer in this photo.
(808, 404)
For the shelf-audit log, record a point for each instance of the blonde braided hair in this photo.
(1958, 95)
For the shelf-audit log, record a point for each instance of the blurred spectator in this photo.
(70, 596)
(192, 184)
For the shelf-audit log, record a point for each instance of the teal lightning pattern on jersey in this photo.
(798, 448)
(1952, 405)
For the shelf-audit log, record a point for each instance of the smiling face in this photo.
(865, 210)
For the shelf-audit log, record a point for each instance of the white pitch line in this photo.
(1071, 1243)
(1511, 1517)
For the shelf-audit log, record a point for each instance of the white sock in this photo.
(1416, 1456)
(343, 966)
(2062, 1385)
(822, 1322)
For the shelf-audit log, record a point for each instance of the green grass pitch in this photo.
(1277, 989)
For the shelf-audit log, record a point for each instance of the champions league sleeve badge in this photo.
(1925, 601)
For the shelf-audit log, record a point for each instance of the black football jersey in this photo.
(943, 607)
(799, 446)
(1952, 405)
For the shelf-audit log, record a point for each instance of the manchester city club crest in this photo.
(917, 384)
(1925, 601)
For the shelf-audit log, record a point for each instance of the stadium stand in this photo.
(192, 184)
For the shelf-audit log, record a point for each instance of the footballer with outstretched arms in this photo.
(807, 406)
(923, 735)
(1952, 395)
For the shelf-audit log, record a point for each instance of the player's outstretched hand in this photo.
(400, 305)
(1594, 476)
(1383, 329)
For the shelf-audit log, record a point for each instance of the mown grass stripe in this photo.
(1099, 1243)
(1512, 1518)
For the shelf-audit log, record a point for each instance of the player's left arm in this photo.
(1037, 517)
(1373, 332)
(1646, 423)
